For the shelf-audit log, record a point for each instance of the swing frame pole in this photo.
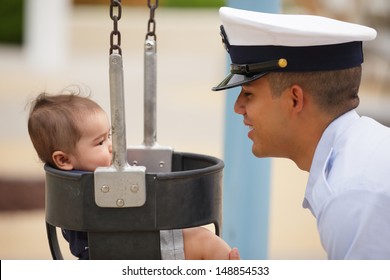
(247, 179)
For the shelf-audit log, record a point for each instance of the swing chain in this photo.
(115, 36)
(152, 23)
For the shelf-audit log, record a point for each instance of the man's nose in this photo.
(239, 107)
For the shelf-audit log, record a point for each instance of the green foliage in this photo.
(11, 21)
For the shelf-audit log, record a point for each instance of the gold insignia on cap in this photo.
(282, 63)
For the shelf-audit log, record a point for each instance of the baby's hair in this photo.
(53, 121)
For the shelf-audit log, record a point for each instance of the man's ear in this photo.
(62, 160)
(296, 95)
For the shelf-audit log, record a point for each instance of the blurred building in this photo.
(374, 93)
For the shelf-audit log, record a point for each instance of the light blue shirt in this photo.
(348, 189)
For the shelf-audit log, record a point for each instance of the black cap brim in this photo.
(235, 80)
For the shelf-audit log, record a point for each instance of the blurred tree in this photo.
(167, 3)
(11, 21)
(107, 2)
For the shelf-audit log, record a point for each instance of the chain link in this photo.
(115, 35)
(153, 5)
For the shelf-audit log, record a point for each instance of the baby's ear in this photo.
(62, 160)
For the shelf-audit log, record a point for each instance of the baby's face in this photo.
(94, 149)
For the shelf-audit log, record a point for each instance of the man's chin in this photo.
(259, 153)
(255, 152)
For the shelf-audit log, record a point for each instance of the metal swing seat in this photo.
(122, 208)
(188, 196)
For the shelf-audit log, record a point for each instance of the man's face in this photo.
(266, 117)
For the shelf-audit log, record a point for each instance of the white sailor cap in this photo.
(259, 43)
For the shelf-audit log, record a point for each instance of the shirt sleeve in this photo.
(356, 225)
(78, 243)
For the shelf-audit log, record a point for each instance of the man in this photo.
(299, 78)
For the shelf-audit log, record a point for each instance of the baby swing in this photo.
(123, 207)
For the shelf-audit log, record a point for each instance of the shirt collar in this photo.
(325, 146)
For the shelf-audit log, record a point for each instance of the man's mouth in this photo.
(250, 127)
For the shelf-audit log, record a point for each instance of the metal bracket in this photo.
(156, 159)
(120, 188)
(119, 185)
